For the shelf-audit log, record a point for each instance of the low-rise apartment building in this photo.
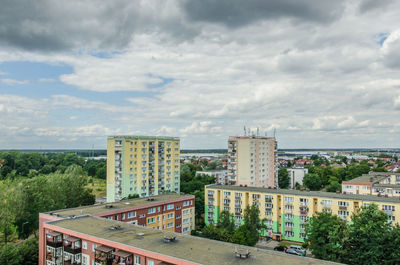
(296, 175)
(374, 183)
(287, 211)
(90, 240)
(170, 212)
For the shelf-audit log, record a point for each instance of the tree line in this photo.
(22, 199)
(14, 164)
(368, 239)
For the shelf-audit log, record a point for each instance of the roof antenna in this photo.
(258, 131)
(244, 130)
(274, 132)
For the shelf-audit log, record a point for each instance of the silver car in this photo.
(299, 250)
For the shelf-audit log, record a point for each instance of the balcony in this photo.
(303, 212)
(120, 257)
(103, 255)
(288, 228)
(341, 207)
(72, 250)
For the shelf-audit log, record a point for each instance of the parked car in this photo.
(280, 248)
(301, 251)
(293, 251)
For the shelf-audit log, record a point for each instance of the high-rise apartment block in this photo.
(287, 211)
(143, 165)
(251, 161)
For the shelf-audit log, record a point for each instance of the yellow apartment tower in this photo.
(143, 165)
(251, 161)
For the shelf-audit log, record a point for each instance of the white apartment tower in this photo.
(251, 161)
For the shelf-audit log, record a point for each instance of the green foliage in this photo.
(312, 181)
(334, 185)
(131, 196)
(192, 184)
(25, 253)
(249, 233)
(326, 234)
(14, 164)
(23, 200)
(367, 237)
(226, 222)
(283, 178)
(214, 165)
(246, 234)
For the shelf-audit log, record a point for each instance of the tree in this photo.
(368, 232)
(283, 178)
(326, 234)
(333, 185)
(249, 232)
(226, 222)
(312, 181)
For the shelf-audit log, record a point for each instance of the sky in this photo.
(321, 73)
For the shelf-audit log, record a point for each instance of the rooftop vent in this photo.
(140, 234)
(108, 206)
(307, 189)
(127, 203)
(115, 227)
(150, 199)
(169, 239)
(242, 253)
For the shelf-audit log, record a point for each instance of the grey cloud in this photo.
(369, 5)
(46, 25)
(236, 13)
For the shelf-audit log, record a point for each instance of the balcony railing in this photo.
(389, 212)
(342, 207)
(72, 250)
(54, 244)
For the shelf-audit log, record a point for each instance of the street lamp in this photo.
(23, 235)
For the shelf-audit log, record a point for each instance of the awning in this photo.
(122, 254)
(105, 249)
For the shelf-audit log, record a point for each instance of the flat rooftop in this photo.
(356, 197)
(189, 248)
(139, 137)
(100, 208)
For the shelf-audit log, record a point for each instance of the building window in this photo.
(151, 210)
(170, 206)
(185, 221)
(84, 244)
(170, 225)
(185, 229)
(131, 214)
(137, 260)
(123, 216)
(170, 216)
(150, 262)
(142, 216)
(289, 234)
(151, 220)
(94, 246)
(185, 203)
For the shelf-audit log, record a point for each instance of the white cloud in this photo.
(11, 82)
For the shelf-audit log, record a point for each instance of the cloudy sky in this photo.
(322, 73)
